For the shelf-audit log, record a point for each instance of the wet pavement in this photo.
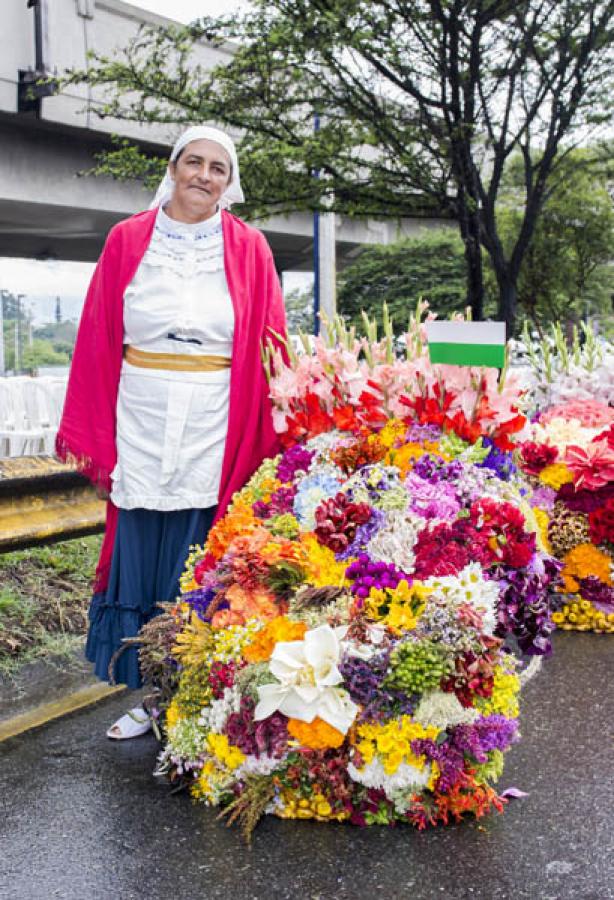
(83, 819)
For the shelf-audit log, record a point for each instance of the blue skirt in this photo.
(149, 556)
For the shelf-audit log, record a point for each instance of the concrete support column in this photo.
(328, 264)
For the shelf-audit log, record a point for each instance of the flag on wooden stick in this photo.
(467, 343)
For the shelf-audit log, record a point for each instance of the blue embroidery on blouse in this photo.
(200, 235)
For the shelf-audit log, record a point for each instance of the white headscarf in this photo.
(232, 194)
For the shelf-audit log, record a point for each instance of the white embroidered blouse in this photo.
(171, 426)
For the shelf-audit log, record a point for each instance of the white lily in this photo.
(308, 676)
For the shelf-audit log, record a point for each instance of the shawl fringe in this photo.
(99, 476)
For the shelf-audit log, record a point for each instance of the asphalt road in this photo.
(83, 819)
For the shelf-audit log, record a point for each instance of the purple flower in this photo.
(543, 498)
(526, 603)
(467, 743)
(450, 759)
(367, 574)
(496, 732)
(498, 461)
(200, 599)
(432, 468)
(417, 434)
(364, 533)
(281, 502)
(431, 500)
(364, 681)
(597, 593)
(295, 459)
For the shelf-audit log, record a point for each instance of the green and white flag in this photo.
(467, 343)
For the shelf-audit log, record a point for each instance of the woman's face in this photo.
(201, 175)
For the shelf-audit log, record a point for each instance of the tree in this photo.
(430, 266)
(566, 272)
(421, 103)
(16, 325)
(299, 310)
(42, 353)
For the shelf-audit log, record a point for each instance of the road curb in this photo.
(56, 709)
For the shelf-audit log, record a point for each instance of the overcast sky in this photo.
(41, 281)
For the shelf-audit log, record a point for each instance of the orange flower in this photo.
(275, 551)
(224, 618)
(252, 542)
(468, 796)
(317, 735)
(244, 605)
(582, 561)
(238, 520)
(404, 457)
(278, 629)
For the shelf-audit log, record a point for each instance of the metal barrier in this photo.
(43, 501)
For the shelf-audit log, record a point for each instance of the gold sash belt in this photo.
(175, 362)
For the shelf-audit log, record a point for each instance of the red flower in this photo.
(505, 527)
(337, 520)
(207, 563)
(459, 424)
(431, 410)
(307, 423)
(500, 435)
(446, 549)
(601, 523)
(474, 674)
(361, 453)
(344, 417)
(535, 457)
(371, 412)
(495, 516)
(517, 552)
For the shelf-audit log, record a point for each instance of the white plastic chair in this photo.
(19, 436)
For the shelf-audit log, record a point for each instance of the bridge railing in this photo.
(43, 501)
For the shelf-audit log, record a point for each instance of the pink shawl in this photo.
(86, 435)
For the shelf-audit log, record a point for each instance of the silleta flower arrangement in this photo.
(570, 461)
(342, 649)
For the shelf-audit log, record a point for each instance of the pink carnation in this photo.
(590, 413)
(593, 466)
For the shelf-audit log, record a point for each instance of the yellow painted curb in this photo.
(49, 711)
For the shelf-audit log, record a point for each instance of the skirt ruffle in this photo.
(148, 558)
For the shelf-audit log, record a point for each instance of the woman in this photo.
(167, 407)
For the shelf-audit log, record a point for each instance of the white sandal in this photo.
(133, 724)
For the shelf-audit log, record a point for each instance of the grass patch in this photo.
(44, 598)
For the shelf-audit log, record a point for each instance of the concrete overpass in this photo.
(49, 209)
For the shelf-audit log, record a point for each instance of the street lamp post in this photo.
(324, 260)
(2, 363)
